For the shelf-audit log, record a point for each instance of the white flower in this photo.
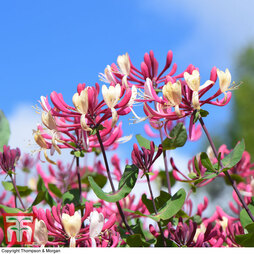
(193, 81)
(107, 76)
(111, 97)
(80, 101)
(124, 64)
(224, 79)
(96, 224)
(48, 120)
(173, 93)
(40, 233)
(72, 225)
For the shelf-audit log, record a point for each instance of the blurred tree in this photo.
(242, 124)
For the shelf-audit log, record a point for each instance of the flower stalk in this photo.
(165, 164)
(79, 184)
(17, 193)
(154, 207)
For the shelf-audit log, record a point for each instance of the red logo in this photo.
(19, 228)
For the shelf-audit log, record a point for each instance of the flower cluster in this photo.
(67, 216)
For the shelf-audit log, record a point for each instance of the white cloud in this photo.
(22, 121)
(216, 29)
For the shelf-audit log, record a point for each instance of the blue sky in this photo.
(54, 45)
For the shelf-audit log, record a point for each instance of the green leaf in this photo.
(72, 144)
(94, 131)
(101, 180)
(10, 209)
(47, 197)
(203, 112)
(197, 166)
(196, 116)
(198, 113)
(4, 130)
(245, 218)
(160, 242)
(143, 142)
(168, 210)
(178, 138)
(159, 201)
(54, 189)
(197, 219)
(162, 178)
(24, 191)
(71, 196)
(192, 175)
(126, 184)
(234, 157)
(78, 153)
(137, 228)
(238, 179)
(40, 185)
(250, 228)
(245, 240)
(137, 241)
(205, 161)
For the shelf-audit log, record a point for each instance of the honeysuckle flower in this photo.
(173, 93)
(145, 158)
(130, 75)
(193, 81)
(72, 225)
(111, 97)
(43, 145)
(9, 158)
(61, 233)
(108, 76)
(123, 62)
(96, 224)
(224, 80)
(48, 120)
(80, 101)
(40, 233)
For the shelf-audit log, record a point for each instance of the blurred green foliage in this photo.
(242, 124)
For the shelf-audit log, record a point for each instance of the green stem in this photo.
(111, 183)
(155, 209)
(166, 165)
(79, 185)
(17, 192)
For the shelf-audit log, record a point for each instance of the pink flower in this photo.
(145, 158)
(9, 158)
(62, 231)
